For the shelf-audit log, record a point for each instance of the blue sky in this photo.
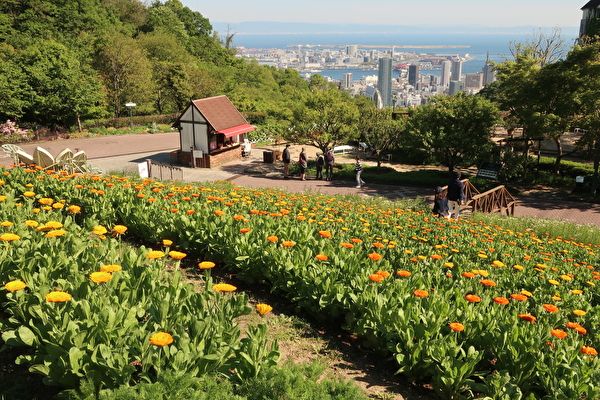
(496, 13)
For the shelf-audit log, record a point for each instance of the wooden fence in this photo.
(495, 200)
(165, 172)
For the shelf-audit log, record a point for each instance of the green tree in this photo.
(63, 90)
(325, 118)
(127, 74)
(14, 86)
(379, 131)
(455, 130)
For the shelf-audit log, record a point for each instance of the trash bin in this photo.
(268, 157)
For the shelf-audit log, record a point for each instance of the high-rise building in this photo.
(489, 72)
(384, 82)
(455, 87)
(446, 72)
(413, 75)
(474, 81)
(456, 72)
(347, 81)
(352, 50)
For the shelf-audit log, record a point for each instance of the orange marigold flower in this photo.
(403, 273)
(272, 239)
(436, 257)
(572, 325)
(421, 293)
(219, 213)
(288, 243)
(347, 245)
(487, 282)
(550, 308)
(161, 339)
(321, 257)
(589, 351)
(224, 287)
(238, 217)
(100, 277)
(245, 230)
(518, 297)
(501, 300)
(375, 256)
(206, 265)
(325, 234)
(468, 275)
(456, 326)
(558, 333)
(472, 298)
(581, 330)
(177, 255)
(527, 317)
(356, 241)
(385, 274)
(378, 245)
(376, 278)
(263, 309)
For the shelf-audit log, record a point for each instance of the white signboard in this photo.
(143, 170)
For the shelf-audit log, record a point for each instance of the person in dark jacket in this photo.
(320, 164)
(287, 158)
(440, 204)
(456, 194)
(329, 162)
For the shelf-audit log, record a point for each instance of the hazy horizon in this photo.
(465, 14)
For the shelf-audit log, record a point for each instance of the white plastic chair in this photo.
(11, 151)
(79, 162)
(43, 158)
(64, 159)
(23, 157)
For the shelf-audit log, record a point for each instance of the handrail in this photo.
(497, 199)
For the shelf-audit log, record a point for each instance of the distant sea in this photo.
(479, 45)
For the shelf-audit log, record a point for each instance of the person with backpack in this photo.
(329, 161)
(286, 158)
(456, 194)
(320, 165)
(358, 169)
(303, 163)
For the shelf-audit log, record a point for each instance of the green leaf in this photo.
(26, 335)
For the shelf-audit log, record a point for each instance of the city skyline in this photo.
(468, 13)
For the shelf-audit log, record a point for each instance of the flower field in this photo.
(470, 308)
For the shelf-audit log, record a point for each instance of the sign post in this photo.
(130, 107)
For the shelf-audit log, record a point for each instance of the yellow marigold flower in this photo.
(53, 225)
(579, 313)
(498, 264)
(155, 254)
(58, 297)
(15, 286)
(99, 230)
(224, 287)
(556, 298)
(566, 278)
(29, 194)
(161, 339)
(481, 255)
(408, 251)
(31, 223)
(46, 208)
(263, 309)
(55, 233)
(6, 224)
(527, 293)
(45, 201)
(100, 277)
(177, 255)
(206, 265)
(2, 198)
(167, 242)
(73, 209)
(576, 291)
(449, 265)
(110, 268)
(518, 267)
(119, 229)
(9, 237)
(554, 282)
(58, 206)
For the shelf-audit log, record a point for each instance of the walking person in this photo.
(303, 163)
(287, 158)
(358, 169)
(329, 161)
(320, 165)
(456, 194)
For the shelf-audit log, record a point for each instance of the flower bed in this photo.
(469, 307)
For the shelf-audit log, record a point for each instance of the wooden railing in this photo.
(495, 200)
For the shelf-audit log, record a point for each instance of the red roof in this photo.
(237, 130)
(220, 113)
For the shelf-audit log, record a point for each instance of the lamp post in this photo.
(130, 107)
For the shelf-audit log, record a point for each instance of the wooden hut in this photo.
(211, 132)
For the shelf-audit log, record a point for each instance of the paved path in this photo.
(122, 153)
